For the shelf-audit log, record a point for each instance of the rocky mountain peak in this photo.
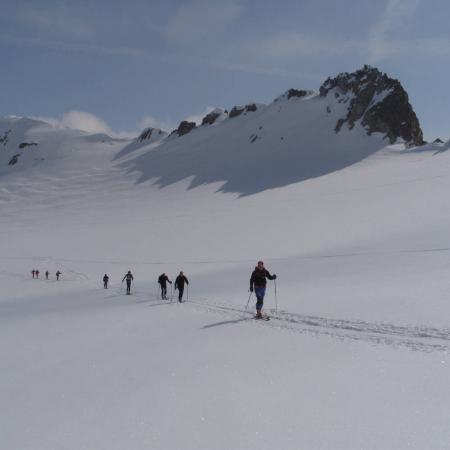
(150, 133)
(378, 101)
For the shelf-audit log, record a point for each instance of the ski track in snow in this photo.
(415, 338)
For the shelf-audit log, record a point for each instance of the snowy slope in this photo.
(356, 356)
(288, 141)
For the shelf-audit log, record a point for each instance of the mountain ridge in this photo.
(250, 148)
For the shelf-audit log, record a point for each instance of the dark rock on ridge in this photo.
(238, 110)
(379, 102)
(148, 133)
(185, 127)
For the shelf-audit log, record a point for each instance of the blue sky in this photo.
(126, 65)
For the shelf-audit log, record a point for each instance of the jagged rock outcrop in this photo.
(185, 127)
(379, 102)
(4, 137)
(14, 160)
(150, 133)
(213, 116)
(27, 144)
(238, 110)
(296, 93)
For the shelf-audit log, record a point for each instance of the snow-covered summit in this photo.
(296, 93)
(28, 144)
(300, 135)
(151, 135)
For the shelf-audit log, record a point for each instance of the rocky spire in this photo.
(379, 102)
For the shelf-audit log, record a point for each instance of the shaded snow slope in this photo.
(289, 141)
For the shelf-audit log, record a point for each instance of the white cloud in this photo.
(87, 122)
(152, 122)
(396, 14)
(84, 121)
(198, 18)
(166, 125)
(197, 118)
(90, 123)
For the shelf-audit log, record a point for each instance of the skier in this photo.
(179, 284)
(129, 277)
(162, 280)
(105, 281)
(46, 274)
(37, 273)
(57, 275)
(33, 272)
(258, 284)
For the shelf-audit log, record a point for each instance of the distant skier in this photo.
(179, 284)
(57, 275)
(162, 280)
(129, 277)
(46, 274)
(37, 273)
(258, 284)
(33, 272)
(105, 281)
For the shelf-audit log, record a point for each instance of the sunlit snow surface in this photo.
(356, 353)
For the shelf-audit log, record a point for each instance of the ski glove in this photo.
(274, 276)
(251, 288)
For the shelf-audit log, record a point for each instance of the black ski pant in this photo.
(128, 286)
(105, 284)
(180, 293)
(163, 291)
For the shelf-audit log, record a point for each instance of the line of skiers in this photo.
(258, 283)
(35, 274)
(163, 279)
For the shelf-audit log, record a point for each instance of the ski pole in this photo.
(276, 298)
(248, 301)
(187, 295)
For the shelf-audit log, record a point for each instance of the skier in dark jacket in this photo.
(258, 285)
(162, 280)
(105, 281)
(129, 279)
(179, 284)
(33, 272)
(37, 273)
(46, 274)
(57, 275)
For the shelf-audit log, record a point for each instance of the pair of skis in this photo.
(264, 318)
